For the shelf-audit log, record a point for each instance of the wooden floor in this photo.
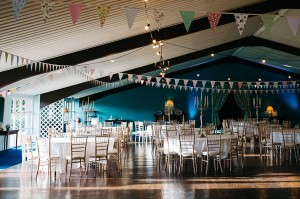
(140, 179)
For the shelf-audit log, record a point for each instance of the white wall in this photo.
(7, 115)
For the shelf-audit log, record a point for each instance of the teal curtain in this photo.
(218, 102)
(243, 101)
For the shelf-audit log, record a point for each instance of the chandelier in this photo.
(164, 67)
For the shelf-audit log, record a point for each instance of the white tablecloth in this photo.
(200, 145)
(277, 137)
(62, 147)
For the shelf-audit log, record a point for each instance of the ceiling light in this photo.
(287, 66)
(154, 41)
(161, 64)
(198, 75)
(157, 53)
(212, 54)
(228, 79)
(259, 79)
(112, 60)
(290, 77)
(263, 60)
(147, 26)
(8, 92)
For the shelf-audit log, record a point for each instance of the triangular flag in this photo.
(213, 19)
(92, 70)
(51, 77)
(158, 16)
(167, 81)
(222, 84)
(18, 6)
(194, 83)
(187, 17)
(176, 81)
(103, 12)
(130, 14)
(267, 21)
(6, 56)
(11, 59)
(158, 79)
(185, 81)
(149, 79)
(46, 7)
(293, 22)
(203, 83)
(120, 76)
(3, 93)
(110, 75)
(75, 10)
(240, 84)
(230, 84)
(212, 83)
(140, 77)
(284, 83)
(241, 20)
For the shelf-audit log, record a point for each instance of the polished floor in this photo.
(140, 179)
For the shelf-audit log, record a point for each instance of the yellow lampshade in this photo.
(169, 103)
(270, 109)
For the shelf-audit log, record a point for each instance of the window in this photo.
(21, 114)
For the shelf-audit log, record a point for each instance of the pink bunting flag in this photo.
(103, 12)
(75, 10)
(92, 70)
(3, 93)
(195, 83)
(293, 22)
(18, 6)
(51, 77)
(240, 84)
(213, 19)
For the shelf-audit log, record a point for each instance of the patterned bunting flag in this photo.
(158, 16)
(103, 12)
(176, 81)
(293, 22)
(18, 6)
(46, 7)
(267, 21)
(75, 10)
(194, 83)
(187, 17)
(213, 19)
(241, 20)
(130, 14)
(185, 81)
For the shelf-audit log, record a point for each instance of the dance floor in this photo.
(140, 179)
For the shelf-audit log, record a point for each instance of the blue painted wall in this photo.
(141, 103)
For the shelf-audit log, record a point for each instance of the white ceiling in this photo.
(31, 38)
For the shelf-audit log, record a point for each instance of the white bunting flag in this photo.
(241, 20)
(130, 14)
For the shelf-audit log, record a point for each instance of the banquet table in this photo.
(62, 146)
(200, 145)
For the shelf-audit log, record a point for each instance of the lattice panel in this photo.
(52, 116)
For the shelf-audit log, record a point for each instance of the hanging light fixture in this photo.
(164, 67)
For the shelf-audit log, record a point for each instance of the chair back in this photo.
(43, 147)
(78, 146)
(101, 145)
(288, 136)
(213, 143)
(27, 147)
(108, 124)
(186, 141)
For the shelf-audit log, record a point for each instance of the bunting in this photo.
(267, 21)
(158, 16)
(293, 22)
(241, 20)
(213, 19)
(46, 7)
(103, 12)
(187, 17)
(18, 6)
(130, 14)
(75, 10)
